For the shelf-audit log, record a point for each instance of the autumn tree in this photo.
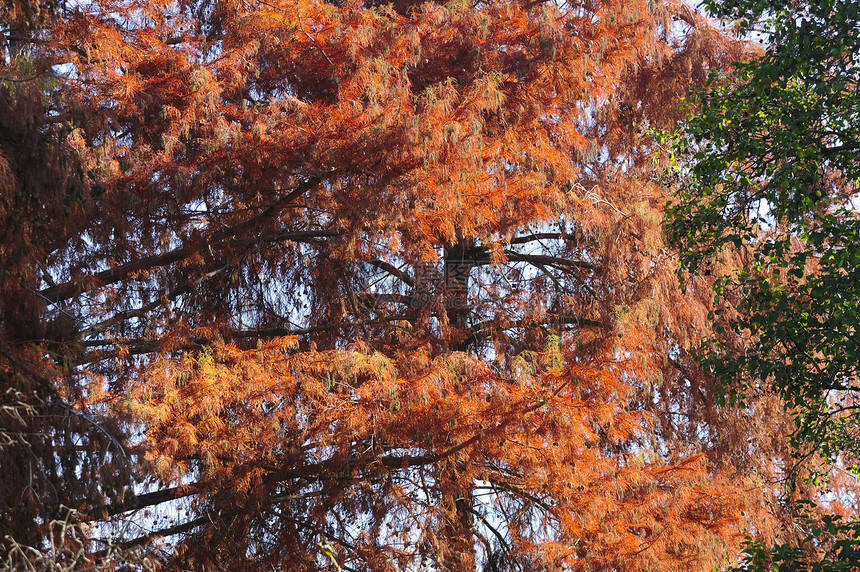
(52, 451)
(297, 284)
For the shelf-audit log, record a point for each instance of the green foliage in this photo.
(831, 546)
(773, 183)
(770, 210)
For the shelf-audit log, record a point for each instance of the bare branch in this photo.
(123, 271)
(393, 270)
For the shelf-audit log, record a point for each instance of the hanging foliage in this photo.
(363, 286)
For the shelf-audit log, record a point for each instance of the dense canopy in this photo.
(773, 180)
(777, 179)
(293, 284)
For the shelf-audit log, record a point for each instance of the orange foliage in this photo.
(555, 442)
(375, 285)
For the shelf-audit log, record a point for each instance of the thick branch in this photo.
(118, 273)
(480, 256)
(281, 332)
(482, 330)
(549, 260)
(150, 499)
(139, 346)
(542, 236)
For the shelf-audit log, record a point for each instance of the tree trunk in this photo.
(456, 490)
(458, 267)
(457, 541)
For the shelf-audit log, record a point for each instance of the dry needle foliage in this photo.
(293, 284)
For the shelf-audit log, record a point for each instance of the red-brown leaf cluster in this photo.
(294, 284)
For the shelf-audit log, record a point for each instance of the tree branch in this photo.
(393, 270)
(481, 330)
(549, 260)
(116, 274)
(138, 502)
(525, 239)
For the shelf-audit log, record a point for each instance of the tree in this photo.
(770, 208)
(52, 452)
(835, 541)
(363, 286)
(775, 179)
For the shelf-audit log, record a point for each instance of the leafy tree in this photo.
(770, 209)
(833, 541)
(775, 177)
(52, 452)
(303, 284)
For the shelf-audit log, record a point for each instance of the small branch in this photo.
(393, 270)
(20, 80)
(137, 312)
(374, 299)
(491, 528)
(482, 329)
